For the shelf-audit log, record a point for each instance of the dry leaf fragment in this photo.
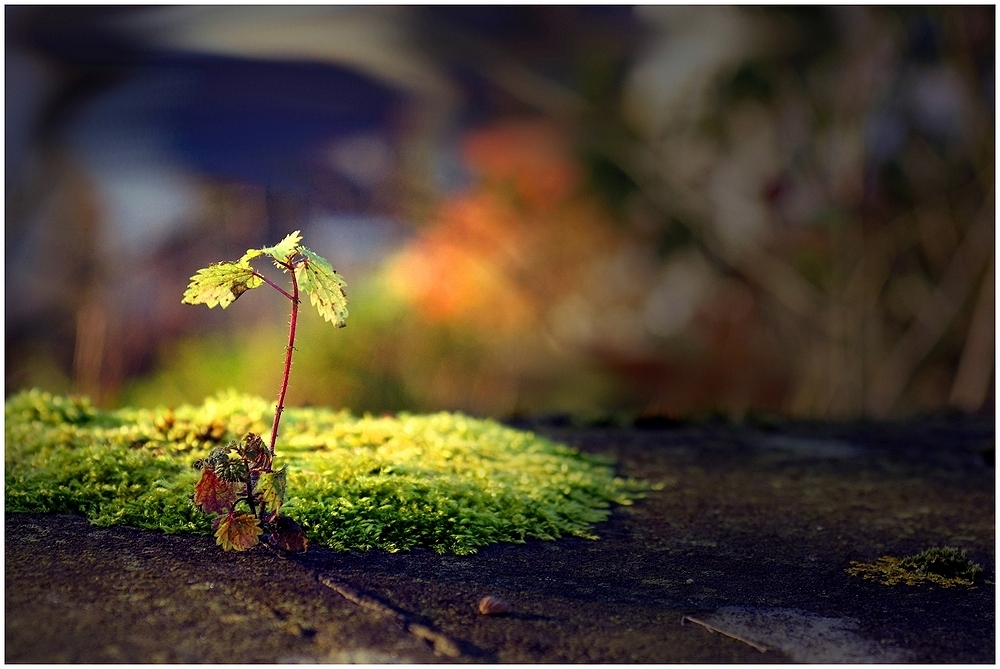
(288, 536)
(493, 606)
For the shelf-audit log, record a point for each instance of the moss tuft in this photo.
(443, 481)
(946, 567)
(948, 562)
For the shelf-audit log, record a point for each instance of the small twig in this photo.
(443, 644)
(361, 599)
(972, 379)
(712, 628)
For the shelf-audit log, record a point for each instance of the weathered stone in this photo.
(750, 535)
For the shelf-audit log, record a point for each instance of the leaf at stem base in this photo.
(271, 487)
(238, 531)
(213, 494)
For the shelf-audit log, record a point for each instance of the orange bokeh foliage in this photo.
(530, 154)
(496, 256)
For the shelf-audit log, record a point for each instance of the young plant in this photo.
(242, 473)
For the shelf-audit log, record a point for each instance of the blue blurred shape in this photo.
(270, 122)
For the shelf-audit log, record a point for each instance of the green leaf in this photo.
(219, 455)
(284, 249)
(271, 486)
(251, 254)
(238, 531)
(213, 494)
(324, 286)
(280, 252)
(221, 283)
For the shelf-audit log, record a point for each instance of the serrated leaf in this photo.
(219, 455)
(250, 255)
(251, 446)
(271, 486)
(280, 252)
(238, 531)
(284, 249)
(220, 284)
(325, 287)
(213, 494)
(254, 451)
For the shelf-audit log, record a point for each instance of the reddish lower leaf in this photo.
(254, 451)
(213, 494)
(238, 531)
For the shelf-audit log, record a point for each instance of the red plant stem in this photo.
(272, 284)
(294, 297)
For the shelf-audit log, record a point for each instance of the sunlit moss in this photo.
(445, 481)
(946, 567)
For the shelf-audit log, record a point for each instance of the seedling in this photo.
(241, 473)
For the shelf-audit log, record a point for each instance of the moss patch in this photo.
(444, 481)
(946, 567)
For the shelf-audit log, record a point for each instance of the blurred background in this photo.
(649, 211)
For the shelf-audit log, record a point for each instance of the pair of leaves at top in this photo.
(220, 284)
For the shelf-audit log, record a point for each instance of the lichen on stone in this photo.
(444, 481)
(946, 567)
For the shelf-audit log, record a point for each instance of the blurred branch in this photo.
(932, 320)
(767, 272)
(532, 88)
(88, 357)
(882, 247)
(507, 73)
(972, 380)
(785, 285)
(764, 270)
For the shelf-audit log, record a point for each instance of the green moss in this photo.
(947, 562)
(946, 567)
(444, 481)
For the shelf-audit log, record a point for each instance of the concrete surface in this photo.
(739, 558)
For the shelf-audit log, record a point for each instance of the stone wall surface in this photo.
(738, 556)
